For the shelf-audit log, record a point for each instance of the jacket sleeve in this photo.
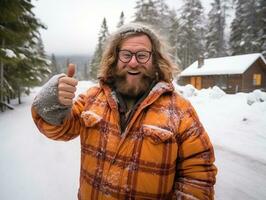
(195, 173)
(54, 120)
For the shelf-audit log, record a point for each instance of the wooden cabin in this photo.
(241, 73)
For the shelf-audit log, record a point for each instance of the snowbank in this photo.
(34, 167)
(236, 122)
(256, 96)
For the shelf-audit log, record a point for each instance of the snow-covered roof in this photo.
(223, 65)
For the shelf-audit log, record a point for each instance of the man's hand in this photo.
(67, 87)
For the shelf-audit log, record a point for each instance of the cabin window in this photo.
(256, 79)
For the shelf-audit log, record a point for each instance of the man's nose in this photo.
(133, 62)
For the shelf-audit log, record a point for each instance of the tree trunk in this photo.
(19, 95)
(2, 81)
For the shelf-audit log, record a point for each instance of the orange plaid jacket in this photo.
(164, 152)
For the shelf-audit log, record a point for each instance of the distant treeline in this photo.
(59, 64)
(189, 30)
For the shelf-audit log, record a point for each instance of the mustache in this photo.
(149, 73)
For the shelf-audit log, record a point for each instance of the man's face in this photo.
(133, 76)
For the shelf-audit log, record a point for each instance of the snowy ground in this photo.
(34, 167)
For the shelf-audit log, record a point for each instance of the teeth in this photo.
(133, 72)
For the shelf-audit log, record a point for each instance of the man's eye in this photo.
(141, 56)
(127, 55)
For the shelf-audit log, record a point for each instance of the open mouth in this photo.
(133, 72)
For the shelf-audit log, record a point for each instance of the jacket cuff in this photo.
(47, 105)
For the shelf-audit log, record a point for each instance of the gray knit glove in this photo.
(47, 104)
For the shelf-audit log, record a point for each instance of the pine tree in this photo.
(215, 39)
(261, 31)
(244, 28)
(146, 12)
(54, 65)
(191, 32)
(167, 22)
(121, 20)
(32, 68)
(96, 59)
(41, 62)
(21, 60)
(164, 20)
(173, 35)
(85, 71)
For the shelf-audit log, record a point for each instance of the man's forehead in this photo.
(136, 41)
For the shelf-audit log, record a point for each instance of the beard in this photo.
(122, 85)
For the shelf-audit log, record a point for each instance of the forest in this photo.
(231, 27)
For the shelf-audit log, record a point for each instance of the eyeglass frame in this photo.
(134, 54)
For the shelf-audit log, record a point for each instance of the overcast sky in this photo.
(73, 25)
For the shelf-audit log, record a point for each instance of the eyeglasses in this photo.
(142, 57)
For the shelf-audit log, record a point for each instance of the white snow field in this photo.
(33, 167)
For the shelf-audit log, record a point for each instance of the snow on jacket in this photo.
(164, 152)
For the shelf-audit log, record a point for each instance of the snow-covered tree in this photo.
(215, 39)
(96, 59)
(155, 13)
(121, 20)
(261, 31)
(85, 72)
(245, 27)
(164, 21)
(54, 65)
(23, 61)
(146, 12)
(173, 35)
(191, 32)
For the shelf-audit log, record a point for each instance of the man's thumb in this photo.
(71, 70)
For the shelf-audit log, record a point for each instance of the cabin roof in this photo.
(223, 65)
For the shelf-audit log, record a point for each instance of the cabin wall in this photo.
(234, 83)
(208, 81)
(256, 68)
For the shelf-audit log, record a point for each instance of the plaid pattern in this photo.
(164, 152)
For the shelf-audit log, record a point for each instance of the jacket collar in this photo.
(157, 90)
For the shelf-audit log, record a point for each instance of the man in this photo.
(139, 138)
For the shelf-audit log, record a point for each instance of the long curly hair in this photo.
(164, 65)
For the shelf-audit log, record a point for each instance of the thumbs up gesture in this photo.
(67, 87)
